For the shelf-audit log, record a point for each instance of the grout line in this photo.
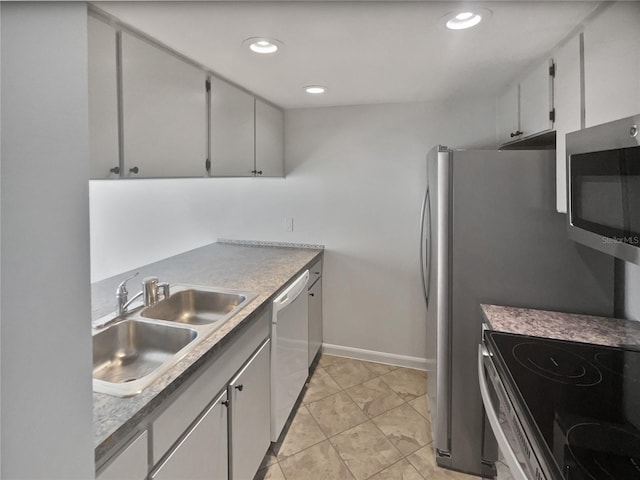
(341, 460)
(395, 463)
(284, 475)
(368, 419)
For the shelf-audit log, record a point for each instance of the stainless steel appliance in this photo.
(490, 234)
(574, 407)
(603, 172)
(289, 351)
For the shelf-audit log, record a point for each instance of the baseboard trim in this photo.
(380, 357)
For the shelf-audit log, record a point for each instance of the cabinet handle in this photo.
(256, 172)
(312, 294)
(225, 403)
(516, 133)
(115, 170)
(239, 387)
(134, 170)
(316, 273)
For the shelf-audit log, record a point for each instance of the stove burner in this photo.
(556, 364)
(604, 452)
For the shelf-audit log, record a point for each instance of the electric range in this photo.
(575, 406)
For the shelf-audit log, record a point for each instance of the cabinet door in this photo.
(269, 140)
(250, 398)
(232, 130)
(536, 101)
(163, 111)
(508, 115)
(202, 453)
(131, 464)
(567, 103)
(315, 319)
(103, 99)
(612, 64)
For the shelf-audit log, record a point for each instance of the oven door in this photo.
(504, 423)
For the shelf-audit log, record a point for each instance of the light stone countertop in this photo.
(263, 270)
(563, 326)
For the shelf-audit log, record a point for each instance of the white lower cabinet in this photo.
(202, 454)
(250, 432)
(131, 464)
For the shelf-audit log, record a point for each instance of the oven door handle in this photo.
(510, 457)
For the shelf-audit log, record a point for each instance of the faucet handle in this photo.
(122, 287)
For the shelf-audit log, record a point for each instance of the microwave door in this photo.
(632, 192)
(598, 203)
(604, 200)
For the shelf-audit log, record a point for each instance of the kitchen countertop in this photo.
(260, 269)
(563, 326)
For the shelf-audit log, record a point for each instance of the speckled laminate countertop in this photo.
(563, 326)
(258, 269)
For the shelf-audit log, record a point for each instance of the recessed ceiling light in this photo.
(262, 44)
(315, 89)
(465, 19)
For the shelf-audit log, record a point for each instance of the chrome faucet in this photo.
(122, 296)
(150, 292)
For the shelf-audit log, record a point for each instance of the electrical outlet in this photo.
(288, 224)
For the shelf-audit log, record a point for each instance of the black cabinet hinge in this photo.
(207, 85)
(552, 115)
(552, 70)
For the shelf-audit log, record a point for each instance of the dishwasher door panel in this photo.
(289, 354)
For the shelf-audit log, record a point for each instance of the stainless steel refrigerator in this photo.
(491, 234)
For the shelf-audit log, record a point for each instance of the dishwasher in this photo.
(289, 351)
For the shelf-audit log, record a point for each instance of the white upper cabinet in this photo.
(155, 113)
(525, 109)
(612, 64)
(269, 140)
(232, 130)
(508, 110)
(103, 100)
(536, 100)
(567, 102)
(163, 113)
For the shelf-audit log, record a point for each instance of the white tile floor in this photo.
(360, 421)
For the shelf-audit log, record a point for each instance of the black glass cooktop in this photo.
(582, 402)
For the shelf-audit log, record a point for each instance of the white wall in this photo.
(47, 428)
(355, 180)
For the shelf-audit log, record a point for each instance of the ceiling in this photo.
(363, 51)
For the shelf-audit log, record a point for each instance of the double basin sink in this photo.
(133, 350)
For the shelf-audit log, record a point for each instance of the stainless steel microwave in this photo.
(603, 175)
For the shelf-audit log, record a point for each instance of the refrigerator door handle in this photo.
(425, 241)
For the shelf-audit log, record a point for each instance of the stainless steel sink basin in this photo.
(131, 352)
(129, 355)
(198, 306)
